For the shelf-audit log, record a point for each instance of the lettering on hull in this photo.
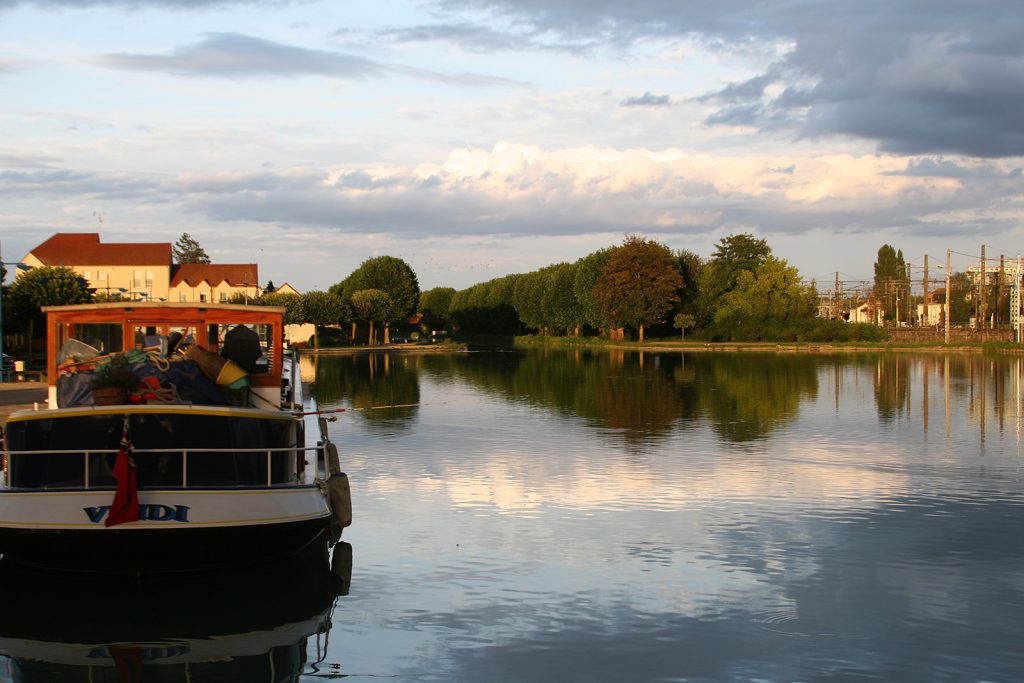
(148, 512)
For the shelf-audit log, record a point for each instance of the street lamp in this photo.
(19, 266)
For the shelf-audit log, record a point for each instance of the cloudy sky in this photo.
(475, 138)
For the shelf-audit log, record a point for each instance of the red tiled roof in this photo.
(235, 274)
(85, 249)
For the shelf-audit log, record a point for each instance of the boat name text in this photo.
(148, 512)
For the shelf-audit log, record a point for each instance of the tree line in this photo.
(742, 292)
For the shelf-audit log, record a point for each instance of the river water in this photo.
(610, 516)
(617, 516)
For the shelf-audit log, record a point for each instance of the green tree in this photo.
(292, 304)
(765, 301)
(388, 274)
(435, 302)
(188, 250)
(639, 284)
(892, 284)
(681, 322)
(43, 286)
(559, 305)
(733, 255)
(270, 288)
(321, 309)
(373, 306)
(588, 271)
(960, 299)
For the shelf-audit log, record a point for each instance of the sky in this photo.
(477, 138)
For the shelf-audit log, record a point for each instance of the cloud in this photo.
(918, 77)
(646, 100)
(233, 55)
(136, 4)
(236, 55)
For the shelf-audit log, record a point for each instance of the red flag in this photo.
(125, 507)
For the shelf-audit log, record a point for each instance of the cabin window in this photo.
(87, 340)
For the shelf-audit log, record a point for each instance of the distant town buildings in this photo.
(144, 271)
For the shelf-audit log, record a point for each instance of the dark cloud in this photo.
(646, 100)
(917, 77)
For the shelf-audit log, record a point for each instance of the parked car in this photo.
(400, 339)
(8, 363)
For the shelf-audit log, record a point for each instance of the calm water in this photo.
(568, 516)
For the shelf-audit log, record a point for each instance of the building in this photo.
(297, 333)
(143, 271)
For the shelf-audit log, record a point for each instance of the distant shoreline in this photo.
(594, 343)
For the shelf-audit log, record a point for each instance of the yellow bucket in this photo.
(229, 374)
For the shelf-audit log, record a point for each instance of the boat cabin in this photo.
(80, 338)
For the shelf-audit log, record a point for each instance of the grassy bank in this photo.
(535, 341)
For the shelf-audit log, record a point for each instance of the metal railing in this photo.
(320, 463)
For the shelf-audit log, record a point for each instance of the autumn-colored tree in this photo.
(639, 284)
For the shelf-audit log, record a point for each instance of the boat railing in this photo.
(90, 458)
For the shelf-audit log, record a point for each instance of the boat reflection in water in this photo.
(253, 625)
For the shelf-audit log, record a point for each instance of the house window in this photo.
(87, 275)
(101, 275)
(223, 297)
(202, 298)
(139, 279)
(182, 296)
(149, 279)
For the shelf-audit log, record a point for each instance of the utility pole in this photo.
(835, 297)
(925, 307)
(982, 286)
(949, 293)
(1000, 303)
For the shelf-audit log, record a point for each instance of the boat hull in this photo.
(158, 550)
(181, 530)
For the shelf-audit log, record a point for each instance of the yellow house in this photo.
(143, 270)
(127, 270)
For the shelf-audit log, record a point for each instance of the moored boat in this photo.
(202, 463)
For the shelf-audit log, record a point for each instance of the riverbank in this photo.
(769, 347)
(16, 396)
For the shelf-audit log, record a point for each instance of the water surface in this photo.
(612, 516)
(574, 516)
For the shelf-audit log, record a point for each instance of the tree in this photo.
(588, 271)
(270, 288)
(639, 284)
(681, 322)
(733, 255)
(765, 300)
(892, 283)
(188, 250)
(321, 309)
(388, 274)
(561, 309)
(373, 306)
(292, 304)
(43, 286)
(435, 302)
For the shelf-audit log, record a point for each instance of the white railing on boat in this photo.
(321, 463)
